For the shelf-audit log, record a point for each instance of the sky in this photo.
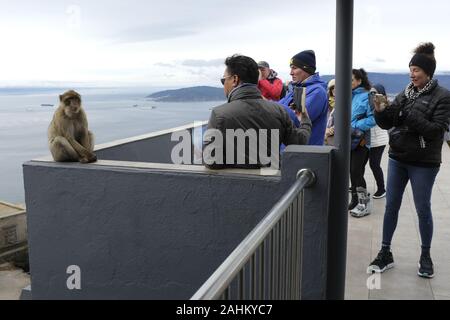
(179, 43)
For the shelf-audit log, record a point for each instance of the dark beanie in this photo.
(424, 62)
(380, 88)
(305, 60)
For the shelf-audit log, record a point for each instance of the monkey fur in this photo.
(68, 135)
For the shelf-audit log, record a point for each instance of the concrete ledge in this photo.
(164, 167)
(116, 143)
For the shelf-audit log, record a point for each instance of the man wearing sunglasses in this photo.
(247, 110)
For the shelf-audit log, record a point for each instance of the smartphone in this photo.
(377, 98)
(300, 99)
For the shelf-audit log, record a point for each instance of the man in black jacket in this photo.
(247, 119)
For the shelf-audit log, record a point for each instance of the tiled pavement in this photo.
(401, 282)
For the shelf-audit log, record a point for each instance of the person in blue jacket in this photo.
(362, 120)
(303, 73)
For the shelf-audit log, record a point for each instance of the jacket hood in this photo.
(312, 80)
(245, 91)
(359, 90)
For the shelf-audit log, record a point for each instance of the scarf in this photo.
(272, 75)
(412, 94)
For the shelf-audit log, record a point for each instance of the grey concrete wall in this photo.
(135, 234)
(148, 234)
(315, 218)
(157, 150)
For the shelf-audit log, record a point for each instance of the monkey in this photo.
(68, 135)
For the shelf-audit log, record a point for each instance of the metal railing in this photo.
(267, 263)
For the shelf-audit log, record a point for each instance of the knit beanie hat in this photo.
(424, 58)
(331, 83)
(305, 60)
(263, 64)
(380, 88)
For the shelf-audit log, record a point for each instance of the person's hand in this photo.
(380, 102)
(329, 132)
(302, 115)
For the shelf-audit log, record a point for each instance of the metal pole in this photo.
(337, 240)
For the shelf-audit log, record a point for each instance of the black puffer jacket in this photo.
(417, 126)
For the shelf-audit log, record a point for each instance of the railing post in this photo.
(338, 219)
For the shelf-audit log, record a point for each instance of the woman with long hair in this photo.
(362, 121)
(418, 118)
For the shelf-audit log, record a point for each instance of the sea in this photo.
(113, 113)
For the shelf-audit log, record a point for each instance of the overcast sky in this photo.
(179, 43)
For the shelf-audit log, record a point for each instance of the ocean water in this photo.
(112, 114)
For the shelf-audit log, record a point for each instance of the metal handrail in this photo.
(217, 283)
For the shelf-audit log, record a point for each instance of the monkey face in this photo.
(72, 106)
(71, 101)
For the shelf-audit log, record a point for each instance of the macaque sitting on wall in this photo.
(68, 135)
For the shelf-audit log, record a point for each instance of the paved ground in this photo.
(401, 282)
(12, 280)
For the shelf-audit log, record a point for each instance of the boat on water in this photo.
(47, 105)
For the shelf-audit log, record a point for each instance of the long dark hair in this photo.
(361, 74)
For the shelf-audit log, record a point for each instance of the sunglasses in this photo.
(222, 80)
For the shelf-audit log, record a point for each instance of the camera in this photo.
(379, 99)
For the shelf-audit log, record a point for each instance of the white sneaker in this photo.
(361, 210)
(364, 204)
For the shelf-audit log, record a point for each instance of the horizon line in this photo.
(90, 85)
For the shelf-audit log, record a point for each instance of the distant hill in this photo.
(192, 94)
(396, 82)
(393, 82)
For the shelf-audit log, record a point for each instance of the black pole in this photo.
(338, 220)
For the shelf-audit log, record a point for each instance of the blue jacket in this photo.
(293, 116)
(316, 104)
(362, 115)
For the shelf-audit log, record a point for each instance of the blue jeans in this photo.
(422, 181)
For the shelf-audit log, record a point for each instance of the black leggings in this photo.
(358, 161)
(375, 155)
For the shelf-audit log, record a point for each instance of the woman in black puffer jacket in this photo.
(417, 119)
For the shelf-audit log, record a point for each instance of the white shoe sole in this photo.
(359, 215)
(379, 197)
(372, 269)
(424, 275)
